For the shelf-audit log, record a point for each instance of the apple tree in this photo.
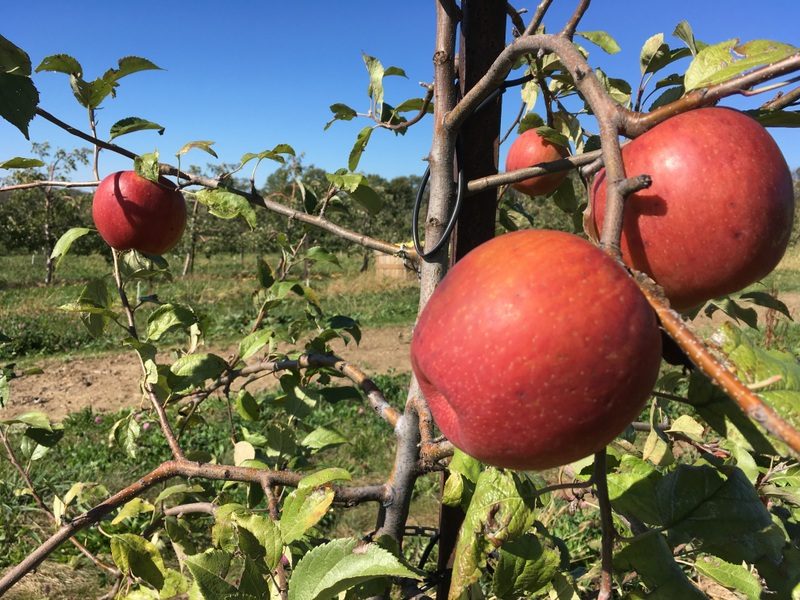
(699, 498)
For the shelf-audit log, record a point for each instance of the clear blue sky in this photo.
(249, 74)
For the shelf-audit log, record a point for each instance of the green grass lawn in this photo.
(220, 290)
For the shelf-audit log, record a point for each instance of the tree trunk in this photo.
(483, 30)
(49, 264)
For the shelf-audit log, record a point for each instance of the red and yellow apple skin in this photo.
(535, 350)
(134, 213)
(718, 215)
(528, 150)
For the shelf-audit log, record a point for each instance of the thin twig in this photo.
(606, 525)
(12, 457)
(569, 29)
(49, 184)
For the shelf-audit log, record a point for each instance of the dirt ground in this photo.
(109, 382)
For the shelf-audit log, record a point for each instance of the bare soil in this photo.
(110, 381)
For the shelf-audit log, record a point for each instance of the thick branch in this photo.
(49, 184)
(252, 197)
(749, 402)
(536, 20)
(569, 29)
(635, 124)
(178, 468)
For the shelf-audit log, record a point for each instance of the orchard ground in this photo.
(86, 383)
(107, 380)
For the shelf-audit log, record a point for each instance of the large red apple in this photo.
(132, 212)
(528, 150)
(535, 350)
(719, 212)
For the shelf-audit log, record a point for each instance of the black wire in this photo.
(448, 230)
(462, 184)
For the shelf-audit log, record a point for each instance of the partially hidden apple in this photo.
(718, 214)
(535, 350)
(528, 150)
(134, 213)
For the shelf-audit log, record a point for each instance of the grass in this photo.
(84, 455)
(220, 291)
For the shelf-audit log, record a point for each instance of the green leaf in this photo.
(767, 301)
(65, 242)
(35, 419)
(524, 567)
(131, 124)
(167, 318)
(18, 101)
(413, 104)
(632, 488)
(266, 276)
(734, 577)
(60, 63)
(324, 476)
(501, 510)
(376, 73)
(128, 65)
(194, 369)
(319, 254)
(177, 489)
(331, 568)
(552, 136)
(394, 71)
(146, 165)
(724, 61)
(134, 555)
(657, 449)
(19, 162)
(652, 49)
(204, 145)
(227, 205)
(688, 427)
(254, 342)
(125, 432)
(684, 32)
(264, 541)
(754, 365)
(651, 557)
(722, 515)
(246, 406)
(530, 121)
(368, 198)
(90, 95)
(341, 112)
(209, 570)
(13, 59)
(93, 305)
(322, 438)
(131, 509)
(358, 148)
(602, 39)
(303, 509)
(776, 118)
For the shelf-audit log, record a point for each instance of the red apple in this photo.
(132, 212)
(719, 212)
(528, 150)
(535, 350)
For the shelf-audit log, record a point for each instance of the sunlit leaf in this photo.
(19, 162)
(724, 61)
(341, 564)
(131, 124)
